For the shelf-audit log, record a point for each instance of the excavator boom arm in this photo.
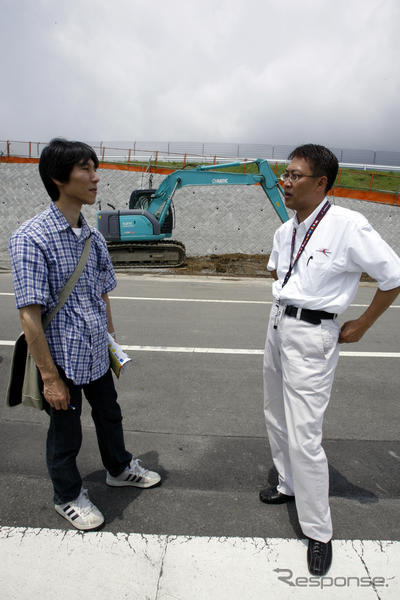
(209, 175)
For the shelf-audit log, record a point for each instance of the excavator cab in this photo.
(141, 199)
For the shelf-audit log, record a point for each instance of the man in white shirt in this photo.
(317, 259)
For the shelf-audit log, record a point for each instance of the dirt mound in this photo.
(240, 265)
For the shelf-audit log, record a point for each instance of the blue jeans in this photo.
(64, 437)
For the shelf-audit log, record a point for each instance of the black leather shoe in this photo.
(272, 496)
(319, 557)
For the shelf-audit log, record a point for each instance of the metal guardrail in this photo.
(166, 154)
(207, 153)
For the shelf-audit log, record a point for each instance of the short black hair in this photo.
(59, 158)
(322, 161)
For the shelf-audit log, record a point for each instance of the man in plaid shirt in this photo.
(72, 355)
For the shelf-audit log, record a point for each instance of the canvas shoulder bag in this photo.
(23, 386)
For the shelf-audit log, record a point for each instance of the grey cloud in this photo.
(261, 71)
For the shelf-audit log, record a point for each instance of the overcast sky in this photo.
(262, 71)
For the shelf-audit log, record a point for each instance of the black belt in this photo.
(311, 316)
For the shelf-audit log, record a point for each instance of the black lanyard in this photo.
(305, 241)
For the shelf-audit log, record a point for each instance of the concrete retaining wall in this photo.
(208, 220)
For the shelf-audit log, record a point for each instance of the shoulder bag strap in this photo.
(69, 286)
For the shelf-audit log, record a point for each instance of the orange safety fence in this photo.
(369, 195)
(392, 198)
(102, 165)
(18, 159)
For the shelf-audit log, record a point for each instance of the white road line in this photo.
(139, 298)
(154, 299)
(205, 300)
(52, 563)
(366, 305)
(371, 354)
(184, 349)
(249, 351)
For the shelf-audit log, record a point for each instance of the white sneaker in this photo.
(81, 512)
(135, 475)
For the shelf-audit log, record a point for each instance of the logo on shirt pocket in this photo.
(322, 256)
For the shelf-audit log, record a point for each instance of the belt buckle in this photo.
(298, 314)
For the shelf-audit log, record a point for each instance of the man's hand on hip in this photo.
(352, 331)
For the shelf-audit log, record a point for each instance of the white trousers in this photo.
(299, 365)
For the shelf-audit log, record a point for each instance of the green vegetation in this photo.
(383, 181)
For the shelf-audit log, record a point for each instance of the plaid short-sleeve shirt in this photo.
(44, 252)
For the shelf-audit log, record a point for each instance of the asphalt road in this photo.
(196, 416)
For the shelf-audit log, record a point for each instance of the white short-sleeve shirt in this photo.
(326, 276)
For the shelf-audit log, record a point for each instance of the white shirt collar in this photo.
(309, 221)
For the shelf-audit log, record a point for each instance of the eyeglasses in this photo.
(294, 177)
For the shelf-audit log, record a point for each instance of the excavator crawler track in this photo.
(167, 253)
